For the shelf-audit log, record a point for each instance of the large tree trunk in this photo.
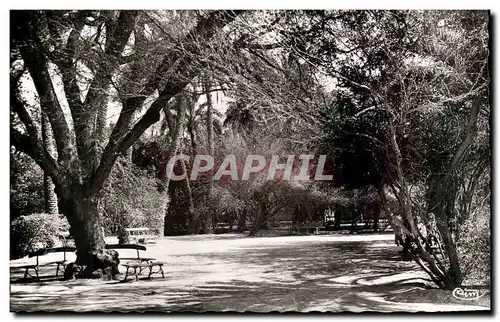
(80, 170)
(92, 259)
(48, 186)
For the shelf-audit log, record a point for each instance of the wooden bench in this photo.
(138, 262)
(143, 265)
(61, 265)
(307, 228)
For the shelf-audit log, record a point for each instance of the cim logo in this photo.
(467, 294)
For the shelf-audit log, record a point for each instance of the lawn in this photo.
(261, 274)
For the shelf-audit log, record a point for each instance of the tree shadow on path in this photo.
(312, 276)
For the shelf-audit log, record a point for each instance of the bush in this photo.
(474, 249)
(26, 186)
(35, 231)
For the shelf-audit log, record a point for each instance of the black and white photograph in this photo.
(237, 161)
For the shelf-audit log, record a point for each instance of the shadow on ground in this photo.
(296, 276)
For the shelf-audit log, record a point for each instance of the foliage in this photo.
(32, 232)
(26, 186)
(75, 63)
(418, 106)
(398, 100)
(474, 248)
(131, 199)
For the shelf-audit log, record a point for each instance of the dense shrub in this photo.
(474, 248)
(26, 186)
(36, 231)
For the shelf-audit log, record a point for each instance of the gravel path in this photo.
(236, 273)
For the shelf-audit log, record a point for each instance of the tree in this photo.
(94, 53)
(419, 105)
(48, 187)
(457, 86)
(210, 141)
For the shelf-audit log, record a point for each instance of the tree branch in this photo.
(116, 41)
(33, 149)
(37, 66)
(22, 112)
(182, 57)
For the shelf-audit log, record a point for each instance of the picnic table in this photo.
(141, 235)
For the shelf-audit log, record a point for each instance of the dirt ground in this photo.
(236, 273)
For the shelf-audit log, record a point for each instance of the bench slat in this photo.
(44, 251)
(125, 246)
(143, 264)
(23, 266)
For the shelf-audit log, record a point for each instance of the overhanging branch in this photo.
(182, 57)
(33, 149)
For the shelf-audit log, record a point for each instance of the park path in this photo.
(236, 273)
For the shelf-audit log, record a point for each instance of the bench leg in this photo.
(63, 268)
(150, 271)
(126, 274)
(57, 269)
(135, 273)
(161, 270)
(36, 271)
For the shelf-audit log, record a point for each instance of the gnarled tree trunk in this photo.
(82, 212)
(81, 166)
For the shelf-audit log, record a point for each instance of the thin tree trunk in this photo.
(50, 196)
(242, 220)
(192, 220)
(48, 186)
(441, 201)
(192, 138)
(209, 229)
(409, 228)
(174, 148)
(179, 129)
